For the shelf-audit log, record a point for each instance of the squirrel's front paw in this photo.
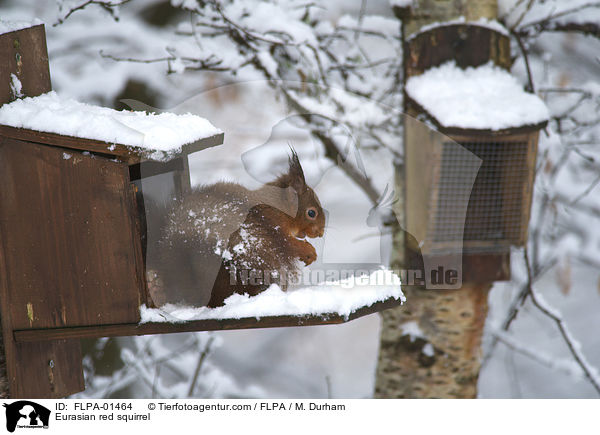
(308, 253)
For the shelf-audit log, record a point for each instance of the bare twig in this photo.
(536, 355)
(201, 359)
(512, 9)
(589, 28)
(554, 15)
(331, 149)
(515, 307)
(523, 14)
(209, 64)
(328, 383)
(135, 60)
(586, 191)
(530, 86)
(156, 379)
(591, 209)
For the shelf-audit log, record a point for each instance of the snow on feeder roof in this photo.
(156, 136)
(482, 98)
(13, 26)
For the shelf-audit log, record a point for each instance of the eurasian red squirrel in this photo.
(216, 234)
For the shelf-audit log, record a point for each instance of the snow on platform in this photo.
(339, 297)
(486, 98)
(159, 135)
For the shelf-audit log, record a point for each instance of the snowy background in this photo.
(531, 360)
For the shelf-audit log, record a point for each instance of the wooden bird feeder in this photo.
(71, 238)
(468, 190)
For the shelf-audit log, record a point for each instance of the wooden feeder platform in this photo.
(150, 328)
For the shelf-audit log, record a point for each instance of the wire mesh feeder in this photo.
(495, 199)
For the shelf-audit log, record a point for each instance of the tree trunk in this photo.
(442, 362)
(430, 347)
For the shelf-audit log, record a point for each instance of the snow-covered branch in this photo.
(321, 70)
(564, 213)
(538, 356)
(591, 373)
(67, 8)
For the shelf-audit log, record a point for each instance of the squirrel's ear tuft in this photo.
(295, 173)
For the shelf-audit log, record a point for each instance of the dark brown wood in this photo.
(150, 169)
(37, 370)
(69, 238)
(480, 268)
(528, 186)
(24, 54)
(30, 335)
(181, 177)
(127, 154)
(47, 370)
(421, 13)
(467, 45)
(484, 268)
(136, 234)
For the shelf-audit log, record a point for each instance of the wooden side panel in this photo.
(422, 158)
(24, 54)
(69, 238)
(46, 369)
(528, 186)
(182, 178)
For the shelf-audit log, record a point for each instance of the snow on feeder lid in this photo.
(481, 22)
(158, 137)
(482, 98)
(13, 26)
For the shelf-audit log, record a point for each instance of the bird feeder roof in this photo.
(486, 98)
(13, 26)
(142, 135)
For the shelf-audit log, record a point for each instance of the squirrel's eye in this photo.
(311, 213)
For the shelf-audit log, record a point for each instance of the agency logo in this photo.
(26, 414)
